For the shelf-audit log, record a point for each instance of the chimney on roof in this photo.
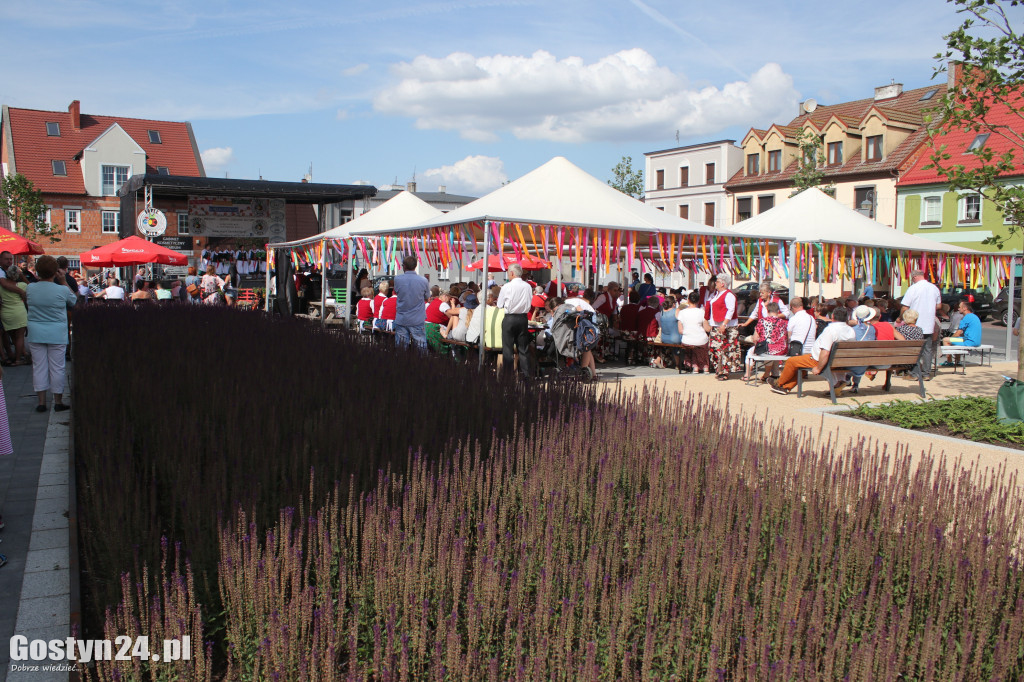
(411, 186)
(442, 189)
(76, 117)
(894, 89)
(954, 74)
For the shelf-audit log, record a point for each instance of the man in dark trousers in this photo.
(515, 297)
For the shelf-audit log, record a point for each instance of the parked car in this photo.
(748, 292)
(980, 299)
(1001, 310)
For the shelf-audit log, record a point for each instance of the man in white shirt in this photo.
(515, 297)
(113, 292)
(801, 326)
(925, 298)
(816, 360)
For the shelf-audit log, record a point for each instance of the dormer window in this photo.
(873, 148)
(775, 161)
(154, 137)
(835, 153)
(753, 164)
(52, 129)
(978, 142)
(59, 168)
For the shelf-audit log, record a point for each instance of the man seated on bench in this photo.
(816, 360)
(968, 333)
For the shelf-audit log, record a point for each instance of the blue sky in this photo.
(460, 93)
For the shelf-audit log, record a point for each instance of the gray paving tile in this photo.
(52, 505)
(46, 559)
(49, 539)
(47, 492)
(49, 521)
(45, 584)
(53, 479)
(43, 612)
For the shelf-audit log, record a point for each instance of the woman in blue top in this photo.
(669, 323)
(48, 302)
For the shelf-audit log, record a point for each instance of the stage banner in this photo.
(236, 217)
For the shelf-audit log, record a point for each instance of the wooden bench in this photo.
(879, 355)
(676, 348)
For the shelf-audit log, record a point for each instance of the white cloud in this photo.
(341, 114)
(355, 70)
(474, 174)
(218, 156)
(624, 96)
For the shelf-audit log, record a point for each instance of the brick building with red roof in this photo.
(927, 207)
(80, 161)
(867, 144)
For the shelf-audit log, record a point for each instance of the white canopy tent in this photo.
(405, 208)
(562, 194)
(554, 196)
(813, 216)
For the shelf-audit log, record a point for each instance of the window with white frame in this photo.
(44, 217)
(111, 222)
(970, 208)
(72, 220)
(183, 223)
(113, 177)
(931, 211)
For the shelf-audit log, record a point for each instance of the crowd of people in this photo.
(209, 288)
(707, 330)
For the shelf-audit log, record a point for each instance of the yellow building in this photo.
(866, 144)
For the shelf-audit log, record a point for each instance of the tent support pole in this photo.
(792, 270)
(266, 290)
(351, 249)
(1011, 307)
(482, 342)
(821, 272)
(323, 280)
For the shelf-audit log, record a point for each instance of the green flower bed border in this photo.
(966, 417)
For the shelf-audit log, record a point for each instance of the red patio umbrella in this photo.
(18, 245)
(527, 261)
(131, 251)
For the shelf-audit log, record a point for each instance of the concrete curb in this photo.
(836, 412)
(44, 610)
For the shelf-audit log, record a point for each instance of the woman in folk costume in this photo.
(721, 313)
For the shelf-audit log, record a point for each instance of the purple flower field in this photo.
(310, 508)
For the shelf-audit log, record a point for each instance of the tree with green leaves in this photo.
(989, 55)
(810, 171)
(626, 180)
(23, 205)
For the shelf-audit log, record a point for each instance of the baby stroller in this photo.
(572, 332)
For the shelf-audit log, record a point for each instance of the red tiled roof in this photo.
(908, 107)
(957, 141)
(34, 150)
